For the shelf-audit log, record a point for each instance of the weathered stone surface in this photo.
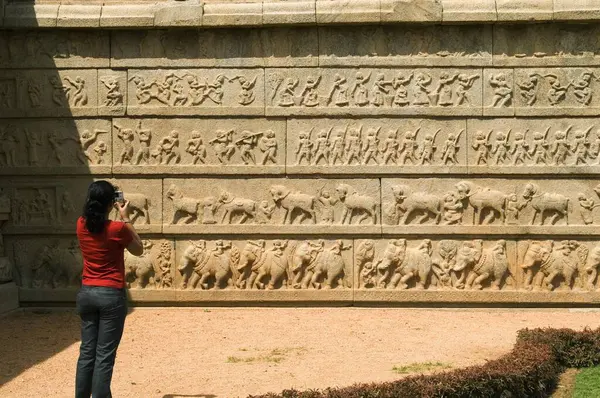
(576, 9)
(128, 15)
(469, 11)
(9, 297)
(348, 11)
(179, 14)
(27, 15)
(525, 10)
(79, 16)
(232, 14)
(289, 12)
(417, 45)
(411, 10)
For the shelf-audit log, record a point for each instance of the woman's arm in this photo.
(135, 247)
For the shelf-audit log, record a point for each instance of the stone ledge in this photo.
(9, 297)
(192, 13)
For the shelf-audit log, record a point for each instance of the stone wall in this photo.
(413, 163)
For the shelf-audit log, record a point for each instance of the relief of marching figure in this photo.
(228, 147)
(260, 265)
(186, 89)
(341, 204)
(447, 264)
(374, 89)
(564, 147)
(575, 92)
(348, 146)
(151, 270)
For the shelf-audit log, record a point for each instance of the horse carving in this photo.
(406, 204)
(236, 206)
(293, 202)
(55, 267)
(182, 206)
(544, 202)
(482, 199)
(355, 203)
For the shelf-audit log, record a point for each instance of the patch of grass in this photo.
(275, 355)
(420, 367)
(587, 383)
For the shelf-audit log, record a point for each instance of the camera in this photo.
(119, 196)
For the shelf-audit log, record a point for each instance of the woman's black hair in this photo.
(100, 196)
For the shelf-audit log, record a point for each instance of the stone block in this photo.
(79, 16)
(576, 10)
(411, 11)
(289, 12)
(9, 297)
(179, 14)
(365, 92)
(467, 11)
(524, 10)
(234, 91)
(206, 146)
(21, 15)
(232, 14)
(128, 15)
(348, 11)
(271, 206)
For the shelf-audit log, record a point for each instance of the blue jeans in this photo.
(102, 311)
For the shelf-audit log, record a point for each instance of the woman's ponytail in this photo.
(100, 198)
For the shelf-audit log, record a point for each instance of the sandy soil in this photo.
(232, 352)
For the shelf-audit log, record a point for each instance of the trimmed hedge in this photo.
(530, 370)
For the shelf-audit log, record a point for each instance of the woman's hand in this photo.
(123, 209)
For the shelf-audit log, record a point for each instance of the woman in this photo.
(101, 302)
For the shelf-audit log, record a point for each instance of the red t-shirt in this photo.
(103, 254)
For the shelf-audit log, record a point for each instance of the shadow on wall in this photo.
(53, 143)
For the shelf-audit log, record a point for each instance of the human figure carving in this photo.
(60, 92)
(539, 147)
(114, 97)
(428, 148)
(370, 146)
(196, 148)
(452, 210)
(451, 148)
(223, 145)
(247, 143)
(560, 147)
(529, 89)
(339, 91)
(500, 148)
(246, 95)
(502, 91)
(125, 135)
(304, 148)
(408, 148)
(422, 82)
(287, 95)
(322, 148)
(465, 83)
(444, 92)
(80, 96)
(33, 141)
(557, 92)
(482, 146)
(310, 95)
(586, 208)
(379, 90)
(33, 90)
(338, 154)
(389, 147)
(359, 91)
(580, 146)
(268, 146)
(519, 149)
(364, 256)
(581, 88)
(144, 137)
(354, 146)
(401, 92)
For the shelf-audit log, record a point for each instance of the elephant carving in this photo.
(221, 263)
(140, 269)
(415, 264)
(294, 202)
(313, 266)
(261, 264)
(553, 259)
(591, 267)
(55, 267)
(481, 265)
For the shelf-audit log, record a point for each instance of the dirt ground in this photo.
(233, 352)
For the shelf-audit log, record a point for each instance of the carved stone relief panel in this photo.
(199, 146)
(155, 269)
(196, 92)
(418, 45)
(486, 206)
(271, 206)
(440, 264)
(54, 49)
(55, 146)
(112, 92)
(557, 91)
(498, 92)
(534, 146)
(351, 92)
(376, 146)
(216, 48)
(254, 265)
(145, 203)
(48, 93)
(43, 262)
(546, 45)
(48, 206)
(558, 265)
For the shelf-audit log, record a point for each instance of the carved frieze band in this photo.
(394, 266)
